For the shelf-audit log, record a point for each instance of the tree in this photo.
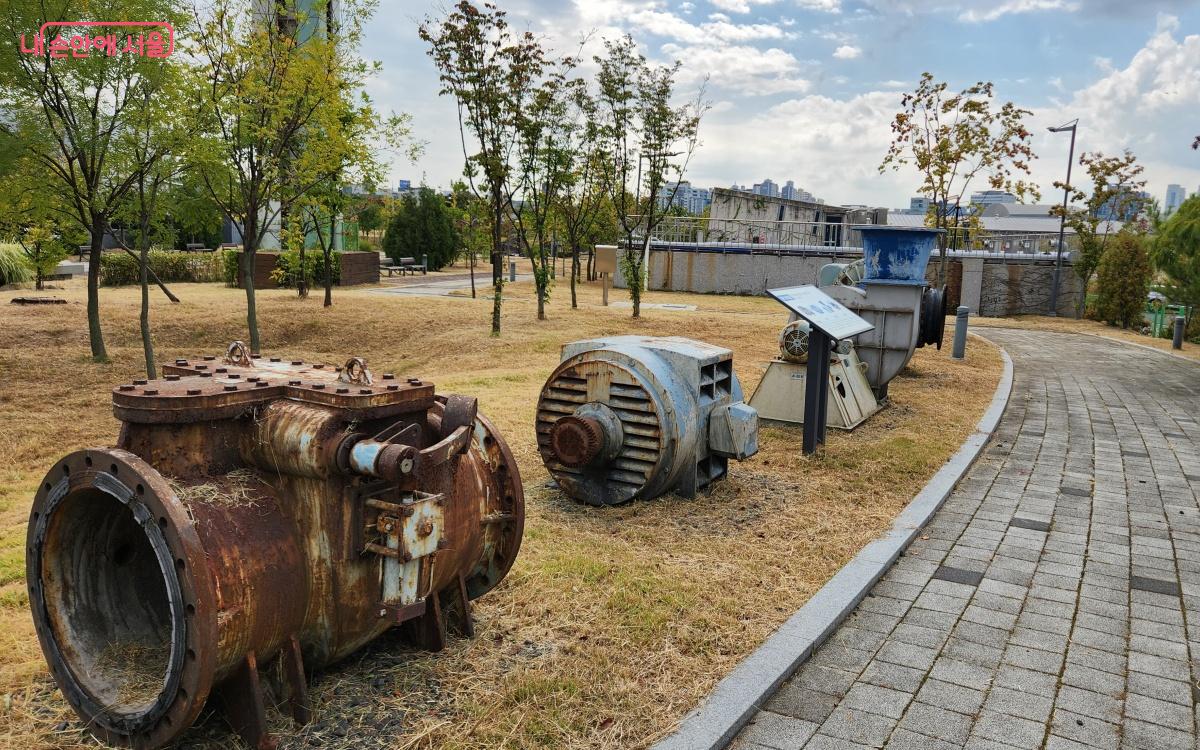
(470, 216)
(953, 138)
(544, 160)
(269, 88)
(43, 249)
(642, 127)
(1123, 278)
(491, 72)
(1176, 253)
(67, 113)
(1116, 190)
(422, 225)
(585, 181)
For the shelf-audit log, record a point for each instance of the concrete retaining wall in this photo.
(990, 286)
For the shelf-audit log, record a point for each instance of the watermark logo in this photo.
(151, 44)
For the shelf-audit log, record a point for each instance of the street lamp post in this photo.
(1063, 220)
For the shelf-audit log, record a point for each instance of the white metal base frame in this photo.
(780, 394)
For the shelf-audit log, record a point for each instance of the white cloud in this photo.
(672, 26)
(748, 71)
(993, 10)
(847, 52)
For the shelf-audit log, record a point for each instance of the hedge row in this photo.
(123, 269)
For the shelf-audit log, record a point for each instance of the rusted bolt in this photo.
(250, 380)
(209, 358)
(261, 384)
(222, 369)
(388, 376)
(274, 359)
(297, 362)
(151, 391)
(181, 361)
(318, 386)
(234, 376)
(201, 367)
(193, 392)
(406, 466)
(343, 390)
(389, 527)
(319, 367)
(139, 382)
(406, 557)
(383, 613)
(393, 387)
(206, 374)
(414, 381)
(441, 544)
(172, 378)
(365, 391)
(425, 528)
(293, 382)
(231, 387)
(126, 388)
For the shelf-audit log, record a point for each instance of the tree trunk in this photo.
(95, 334)
(302, 280)
(38, 279)
(471, 268)
(144, 317)
(329, 261)
(574, 272)
(249, 249)
(497, 271)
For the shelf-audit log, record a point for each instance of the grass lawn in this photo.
(614, 622)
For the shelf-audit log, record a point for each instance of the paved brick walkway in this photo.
(1054, 601)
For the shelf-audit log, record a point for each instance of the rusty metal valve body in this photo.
(260, 514)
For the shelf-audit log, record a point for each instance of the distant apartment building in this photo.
(793, 193)
(1123, 206)
(918, 205)
(766, 187)
(989, 197)
(1176, 195)
(691, 199)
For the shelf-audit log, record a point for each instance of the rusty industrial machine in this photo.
(628, 417)
(259, 518)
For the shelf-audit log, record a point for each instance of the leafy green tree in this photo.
(585, 184)
(1116, 187)
(470, 215)
(1176, 253)
(43, 249)
(952, 139)
(649, 143)
(422, 225)
(491, 71)
(67, 114)
(1123, 280)
(268, 76)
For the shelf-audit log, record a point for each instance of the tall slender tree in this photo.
(67, 112)
(491, 71)
(650, 143)
(954, 138)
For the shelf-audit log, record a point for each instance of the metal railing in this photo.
(775, 237)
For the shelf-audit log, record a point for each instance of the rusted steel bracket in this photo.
(292, 664)
(244, 704)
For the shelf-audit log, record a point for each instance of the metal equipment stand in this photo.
(816, 390)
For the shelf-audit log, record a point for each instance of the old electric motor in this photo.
(260, 514)
(629, 417)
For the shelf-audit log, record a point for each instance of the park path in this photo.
(1054, 600)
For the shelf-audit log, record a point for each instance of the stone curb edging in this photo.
(736, 698)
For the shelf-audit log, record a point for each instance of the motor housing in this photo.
(627, 417)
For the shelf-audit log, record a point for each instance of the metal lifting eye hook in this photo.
(238, 354)
(356, 372)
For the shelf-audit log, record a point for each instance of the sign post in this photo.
(829, 321)
(606, 266)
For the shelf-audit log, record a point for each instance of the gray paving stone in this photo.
(1012, 702)
(1014, 730)
(1026, 680)
(1140, 735)
(893, 676)
(1161, 712)
(864, 728)
(800, 702)
(878, 700)
(937, 722)
(903, 739)
(1085, 729)
(961, 673)
(951, 697)
(776, 731)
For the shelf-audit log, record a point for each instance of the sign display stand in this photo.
(829, 321)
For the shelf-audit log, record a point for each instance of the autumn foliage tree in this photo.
(955, 140)
(1116, 190)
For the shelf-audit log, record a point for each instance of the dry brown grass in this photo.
(1089, 327)
(613, 622)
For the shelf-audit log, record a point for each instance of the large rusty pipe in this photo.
(267, 543)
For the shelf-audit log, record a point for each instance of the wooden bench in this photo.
(196, 247)
(389, 268)
(410, 265)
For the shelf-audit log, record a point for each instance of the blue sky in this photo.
(806, 89)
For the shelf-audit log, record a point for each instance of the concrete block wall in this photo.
(992, 287)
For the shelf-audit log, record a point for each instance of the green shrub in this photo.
(1123, 280)
(422, 225)
(14, 267)
(287, 268)
(123, 269)
(229, 266)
